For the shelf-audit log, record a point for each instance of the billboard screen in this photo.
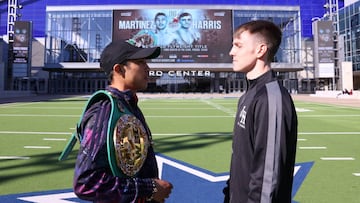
(185, 36)
(324, 44)
(325, 41)
(22, 36)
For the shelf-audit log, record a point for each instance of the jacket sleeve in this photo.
(274, 147)
(259, 138)
(267, 164)
(93, 179)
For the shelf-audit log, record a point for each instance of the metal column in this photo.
(12, 15)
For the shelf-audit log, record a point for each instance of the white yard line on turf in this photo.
(37, 147)
(35, 133)
(36, 115)
(219, 107)
(77, 116)
(299, 139)
(230, 116)
(228, 111)
(44, 107)
(329, 133)
(176, 108)
(312, 147)
(54, 139)
(356, 174)
(190, 134)
(302, 110)
(337, 158)
(13, 157)
(314, 116)
(164, 134)
(6, 105)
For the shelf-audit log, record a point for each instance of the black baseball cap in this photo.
(118, 52)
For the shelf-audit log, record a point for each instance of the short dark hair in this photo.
(159, 14)
(184, 14)
(270, 32)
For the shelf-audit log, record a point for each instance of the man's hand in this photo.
(163, 190)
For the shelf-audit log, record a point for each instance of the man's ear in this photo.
(119, 69)
(262, 50)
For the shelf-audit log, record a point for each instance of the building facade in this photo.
(71, 36)
(75, 38)
(349, 36)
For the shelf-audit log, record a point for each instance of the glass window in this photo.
(77, 36)
(349, 18)
(288, 21)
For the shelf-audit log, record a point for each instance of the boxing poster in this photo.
(184, 35)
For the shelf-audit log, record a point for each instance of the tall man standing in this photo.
(265, 129)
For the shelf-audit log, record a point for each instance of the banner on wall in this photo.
(185, 36)
(22, 38)
(324, 44)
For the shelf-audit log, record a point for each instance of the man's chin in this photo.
(236, 69)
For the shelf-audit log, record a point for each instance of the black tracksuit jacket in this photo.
(264, 144)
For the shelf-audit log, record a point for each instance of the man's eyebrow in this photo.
(237, 43)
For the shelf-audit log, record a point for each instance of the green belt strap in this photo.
(114, 116)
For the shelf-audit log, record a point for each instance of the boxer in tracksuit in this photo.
(265, 129)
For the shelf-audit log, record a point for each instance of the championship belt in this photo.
(127, 138)
(131, 144)
(127, 141)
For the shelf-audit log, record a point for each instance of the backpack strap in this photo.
(127, 139)
(77, 136)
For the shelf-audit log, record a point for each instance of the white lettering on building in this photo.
(208, 25)
(134, 24)
(179, 73)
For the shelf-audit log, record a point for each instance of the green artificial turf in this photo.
(195, 131)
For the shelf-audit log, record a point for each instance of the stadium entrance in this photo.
(76, 36)
(160, 82)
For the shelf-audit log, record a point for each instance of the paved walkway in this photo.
(344, 101)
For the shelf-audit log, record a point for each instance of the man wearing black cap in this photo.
(116, 160)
